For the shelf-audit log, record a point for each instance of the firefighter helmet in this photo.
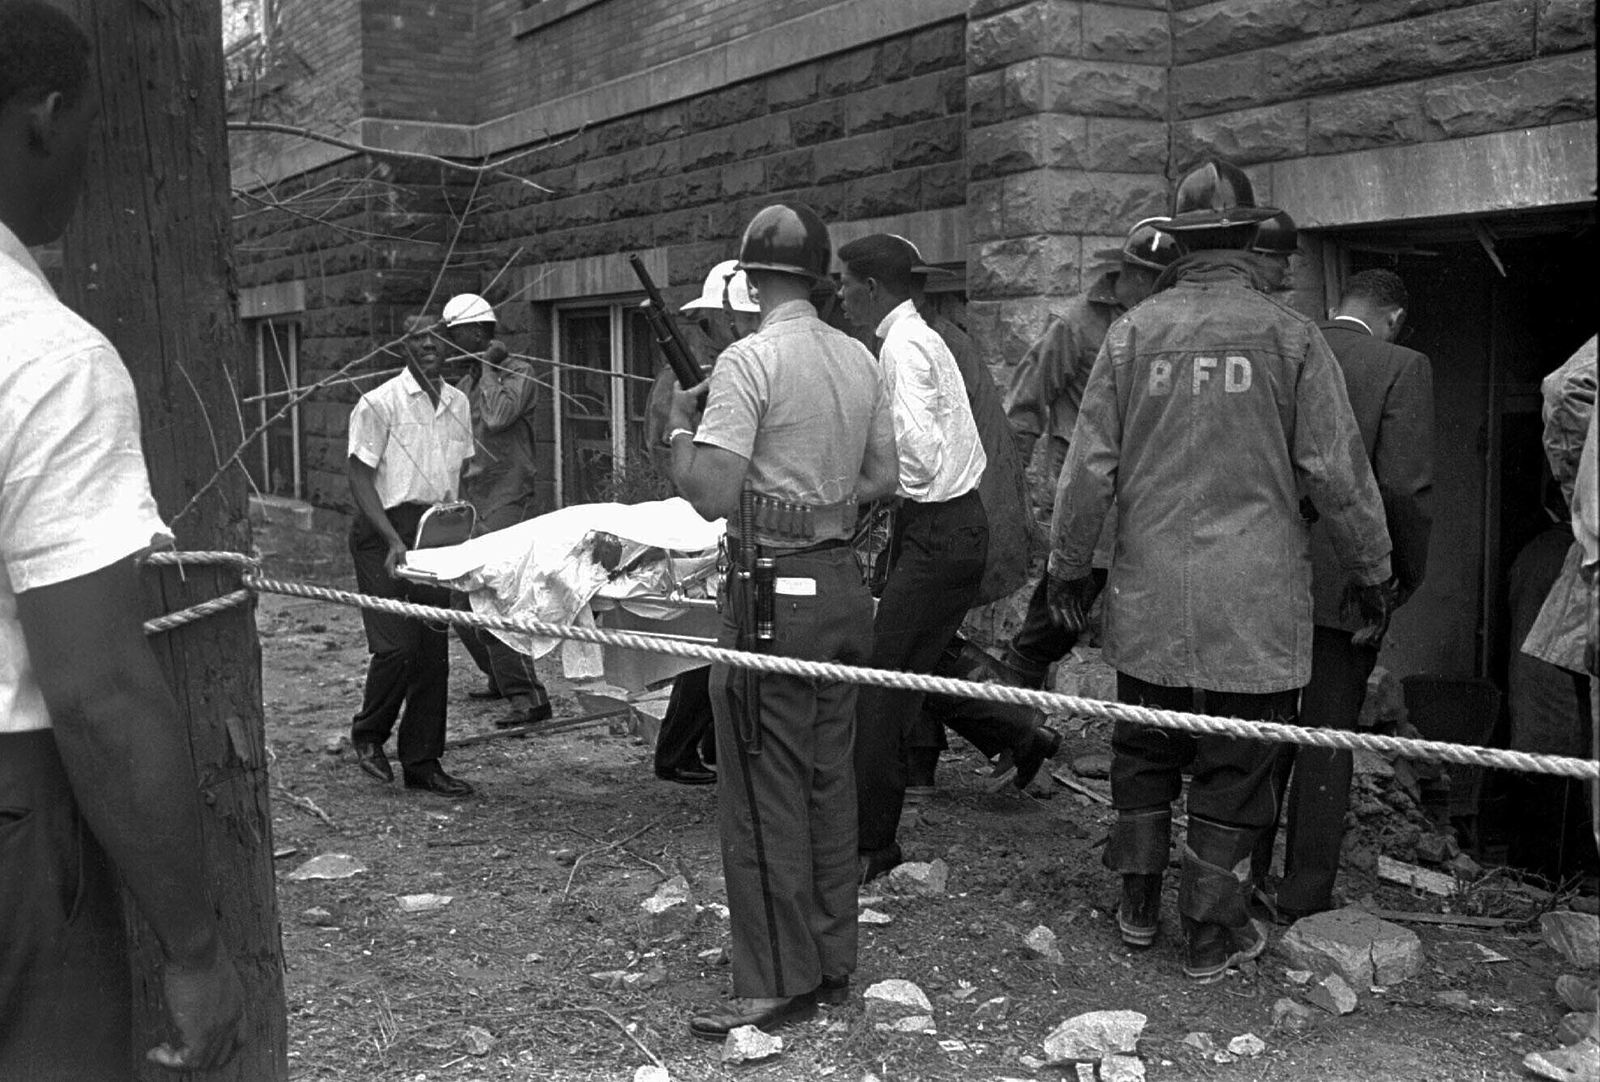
(1216, 195)
(1147, 245)
(724, 277)
(1277, 236)
(787, 237)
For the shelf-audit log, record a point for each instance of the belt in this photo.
(786, 522)
(778, 552)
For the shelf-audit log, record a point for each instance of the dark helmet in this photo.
(787, 237)
(1277, 236)
(1147, 246)
(1216, 195)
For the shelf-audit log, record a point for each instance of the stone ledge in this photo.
(545, 13)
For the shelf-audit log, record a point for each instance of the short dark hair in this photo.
(885, 257)
(41, 50)
(1383, 288)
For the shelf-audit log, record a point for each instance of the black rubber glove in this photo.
(1070, 600)
(1374, 604)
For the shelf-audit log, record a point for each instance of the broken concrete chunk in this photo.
(639, 982)
(873, 916)
(1200, 1042)
(993, 1010)
(1301, 977)
(671, 907)
(1292, 1016)
(424, 903)
(328, 866)
(746, 1044)
(916, 878)
(649, 1072)
(914, 1023)
(1464, 867)
(1574, 936)
(1118, 1068)
(1455, 1000)
(1333, 994)
(477, 1041)
(716, 956)
(1433, 848)
(608, 978)
(1574, 1027)
(317, 917)
(895, 999)
(1093, 1035)
(1362, 949)
(1247, 1044)
(1042, 942)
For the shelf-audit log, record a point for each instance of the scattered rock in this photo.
(649, 1072)
(872, 916)
(1575, 1026)
(716, 956)
(1575, 1063)
(1433, 848)
(1301, 977)
(564, 856)
(640, 981)
(895, 999)
(1292, 1016)
(1574, 936)
(477, 1041)
(1361, 948)
(917, 878)
(498, 853)
(1119, 1068)
(1092, 766)
(1093, 1035)
(1465, 867)
(1247, 1044)
(317, 917)
(1224, 1057)
(1042, 942)
(1370, 764)
(334, 743)
(1333, 995)
(608, 978)
(671, 907)
(328, 866)
(913, 1023)
(1200, 1041)
(424, 903)
(746, 1044)
(1455, 1000)
(952, 1046)
(993, 1010)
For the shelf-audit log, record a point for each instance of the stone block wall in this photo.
(1067, 146)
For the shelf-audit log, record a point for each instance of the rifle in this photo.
(668, 338)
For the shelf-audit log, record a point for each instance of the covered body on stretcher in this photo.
(649, 566)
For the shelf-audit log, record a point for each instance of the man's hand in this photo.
(495, 353)
(1070, 601)
(1373, 603)
(687, 405)
(206, 1004)
(396, 557)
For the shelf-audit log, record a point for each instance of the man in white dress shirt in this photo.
(941, 535)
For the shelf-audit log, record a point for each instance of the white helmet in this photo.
(467, 308)
(725, 275)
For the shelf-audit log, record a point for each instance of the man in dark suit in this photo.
(1391, 392)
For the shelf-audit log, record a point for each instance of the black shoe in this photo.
(875, 862)
(835, 991)
(1043, 744)
(695, 774)
(523, 712)
(766, 1016)
(437, 781)
(1024, 672)
(487, 691)
(373, 762)
(1215, 948)
(1139, 911)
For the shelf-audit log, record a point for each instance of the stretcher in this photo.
(648, 567)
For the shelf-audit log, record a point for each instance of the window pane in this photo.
(279, 378)
(585, 404)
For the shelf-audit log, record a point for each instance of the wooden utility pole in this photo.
(148, 260)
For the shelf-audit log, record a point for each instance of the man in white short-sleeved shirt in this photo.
(409, 438)
(89, 734)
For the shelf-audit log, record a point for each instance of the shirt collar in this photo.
(1358, 322)
(788, 310)
(410, 383)
(12, 248)
(896, 314)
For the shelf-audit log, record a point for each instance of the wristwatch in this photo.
(676, 432)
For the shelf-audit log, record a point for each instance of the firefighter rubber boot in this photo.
(1138, 848)
(1214, 899)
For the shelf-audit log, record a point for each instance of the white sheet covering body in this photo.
(552, 567)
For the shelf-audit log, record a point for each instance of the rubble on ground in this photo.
(894, 998)
(1042, 942)
(477, 1041)
(328, 866)
(1574, 936)
(746, 1044)
(1247, 1044)
(918, 878)
(1094, 1035)
(1333, 994)
(671, 908)
(1291, 1015)
(1361, 948)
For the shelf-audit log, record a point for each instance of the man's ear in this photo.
(1397, 319)
(43, 120)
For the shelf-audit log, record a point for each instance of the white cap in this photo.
(725, 275)
(467, 308)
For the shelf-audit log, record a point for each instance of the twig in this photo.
(1459, 919)
(626, 1032)
(1079, 787)
(304, 802)
(596, 852)
(493, 168)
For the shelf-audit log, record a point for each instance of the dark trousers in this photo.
(1039, 642)
(1232, 782)
(988, 726)
(1314, 833)
(409, 671)
(510, 672)
(937, 572)
(686, 731)
(786, 808)
(65, 985)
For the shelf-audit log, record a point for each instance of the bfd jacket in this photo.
(1209, 410)
(1391, 394)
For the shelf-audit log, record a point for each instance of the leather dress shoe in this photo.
(524, 712)
(437, 781)
(487, 691)
(692, 774)
(765, 1014)
(833, 991)
(373, 762)
(1044, 744)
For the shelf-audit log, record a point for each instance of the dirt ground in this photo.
(546, 868)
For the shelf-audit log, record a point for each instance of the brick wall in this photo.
(1258, 81)
(420, 60)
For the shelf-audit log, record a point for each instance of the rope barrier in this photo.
(1048, 701)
